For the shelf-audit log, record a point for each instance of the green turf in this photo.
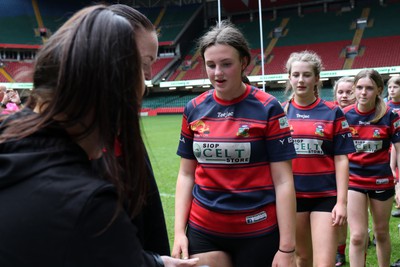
(161, 134)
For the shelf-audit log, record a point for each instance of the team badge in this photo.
(396, 124)
(243, 130)
(376, 134)
(345, 125)
(319, 130)
(283, 122)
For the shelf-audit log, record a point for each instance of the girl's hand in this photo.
(282, 259)
(339, 215)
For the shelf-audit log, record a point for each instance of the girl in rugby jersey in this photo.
(374, 127)
(343, 96)
(322, 141)
(393, 85)
(235, 199)
(343, 92)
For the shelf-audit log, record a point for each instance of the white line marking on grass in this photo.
(167, 195)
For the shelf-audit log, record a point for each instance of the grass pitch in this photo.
(161, 135)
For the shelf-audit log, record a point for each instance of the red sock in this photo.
(341, 249)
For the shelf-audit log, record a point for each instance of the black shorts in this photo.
(324, 204)
(244, 252)
(381, 195)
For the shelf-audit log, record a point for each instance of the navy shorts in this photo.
(244, 252)
(324, 204)
(381, 195)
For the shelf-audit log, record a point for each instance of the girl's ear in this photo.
(244, 63)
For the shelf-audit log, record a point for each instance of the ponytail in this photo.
(380, 109)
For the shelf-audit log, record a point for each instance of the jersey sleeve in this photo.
(185, 147)
(343, 141)
(395, 126)
(279, 142)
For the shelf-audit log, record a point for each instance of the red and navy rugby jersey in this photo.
(394, 105)
(233, 143)
(370, 164)
(320, 131)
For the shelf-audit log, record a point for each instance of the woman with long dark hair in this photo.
(56, 208)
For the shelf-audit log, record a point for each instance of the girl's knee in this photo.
(358, 239)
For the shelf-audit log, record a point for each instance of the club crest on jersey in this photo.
(376, 133)
(345, 125)
(243, 130)
(283, 122)
(319, 129)
(200, 128)
(396, 124)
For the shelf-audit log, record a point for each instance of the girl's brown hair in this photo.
(377, 80)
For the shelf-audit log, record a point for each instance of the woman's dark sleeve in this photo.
(150, 222)
(106, 238)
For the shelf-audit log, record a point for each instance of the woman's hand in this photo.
(172, 262)
(14, 97)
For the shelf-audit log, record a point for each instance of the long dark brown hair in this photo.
(91, 68)
(227, 34)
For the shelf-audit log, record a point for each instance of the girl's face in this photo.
(366, 93)
(303, 80)
(345, 94)
(394, 91)
(224, 69)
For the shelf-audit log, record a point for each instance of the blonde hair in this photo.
(394, 79)
(345, 79)
(305, 56)
(376, 79)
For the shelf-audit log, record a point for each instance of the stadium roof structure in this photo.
(247, 5)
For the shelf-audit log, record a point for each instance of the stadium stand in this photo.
(329, 28)
(19, 70)
(20, 19)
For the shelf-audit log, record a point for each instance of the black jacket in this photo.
(56, 211)
(150, 222)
